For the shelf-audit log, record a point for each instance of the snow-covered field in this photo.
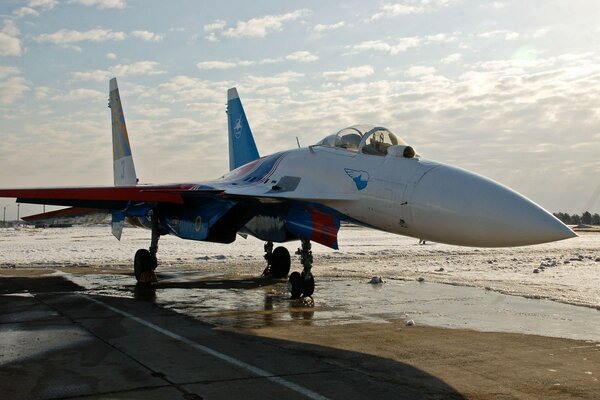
(568, 271)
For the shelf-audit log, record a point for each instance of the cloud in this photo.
(508, 35)
(392, 10)
(81, 94)
(217, 25)
(399, 45)
(255, 27)
(24, 12)
(66, 37)
(216, 65)
(136, 68)
(42, 92)
(146, 35)
(102, 4)
(111, 56)
(12, 89)
(302, 56)
(10, 44)
(43, 4)
(349, 73)
(319, 28)
(6, 71)
(212, 29)
(188, 90)
(299, 56)
(389, 10)
(274, 80)
(452, 58)
(419, 70)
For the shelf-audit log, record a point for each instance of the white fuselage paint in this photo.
(420, 198)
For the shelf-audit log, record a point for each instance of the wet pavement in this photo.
(207, 336)
(253, 302)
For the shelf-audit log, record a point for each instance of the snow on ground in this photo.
(568, 271)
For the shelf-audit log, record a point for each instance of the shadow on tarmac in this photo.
(112, 360)
(43, 284)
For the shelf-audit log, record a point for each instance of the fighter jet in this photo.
(363, 174)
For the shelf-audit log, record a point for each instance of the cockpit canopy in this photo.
(366, 139)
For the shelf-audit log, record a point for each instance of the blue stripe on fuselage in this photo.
(259, 172)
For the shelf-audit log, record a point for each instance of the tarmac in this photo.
(70, 334)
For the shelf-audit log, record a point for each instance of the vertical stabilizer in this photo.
(123, 168)
(242, 148)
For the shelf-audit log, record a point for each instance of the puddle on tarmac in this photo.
(253, 303)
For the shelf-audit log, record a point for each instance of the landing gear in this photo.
(145, 261)
(303, 284)
(278, 261)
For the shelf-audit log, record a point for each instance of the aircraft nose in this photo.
(455, 206)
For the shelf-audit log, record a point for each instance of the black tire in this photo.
(308, 286)
(141, 262)
(295, 285)
(280, 262)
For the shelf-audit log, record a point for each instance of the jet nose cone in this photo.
(454, 206)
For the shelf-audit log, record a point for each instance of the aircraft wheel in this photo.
(295, 284)
(142, 264)
(308, 285)
(280, 262)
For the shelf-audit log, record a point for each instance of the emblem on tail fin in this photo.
(360, 178)
(237, 129)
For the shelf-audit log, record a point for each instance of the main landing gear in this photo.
(303, 284)
(278, 266)
(278, 261)
(145, 261)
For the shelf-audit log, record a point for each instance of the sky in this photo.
(507, 89)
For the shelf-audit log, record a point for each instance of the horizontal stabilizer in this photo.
(72, 215)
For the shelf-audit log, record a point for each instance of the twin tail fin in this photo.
(123, 168)
(242, 148)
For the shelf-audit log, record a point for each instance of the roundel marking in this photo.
(198, 223)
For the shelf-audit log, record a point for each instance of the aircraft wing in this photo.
(110, 198)
(305, 218)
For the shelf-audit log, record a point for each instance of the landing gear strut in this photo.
(145, 261)
(278, 261)
(303, 284)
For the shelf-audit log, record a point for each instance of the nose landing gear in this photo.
(303, 284)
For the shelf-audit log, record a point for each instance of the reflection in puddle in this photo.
(254, 303)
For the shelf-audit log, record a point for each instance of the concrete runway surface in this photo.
(97, 336)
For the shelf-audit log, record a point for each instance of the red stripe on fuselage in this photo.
(324, 230)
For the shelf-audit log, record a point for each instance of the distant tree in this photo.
(596, 219)
(575, 219)
(564, 217)
(586, 218)
(558, 215)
